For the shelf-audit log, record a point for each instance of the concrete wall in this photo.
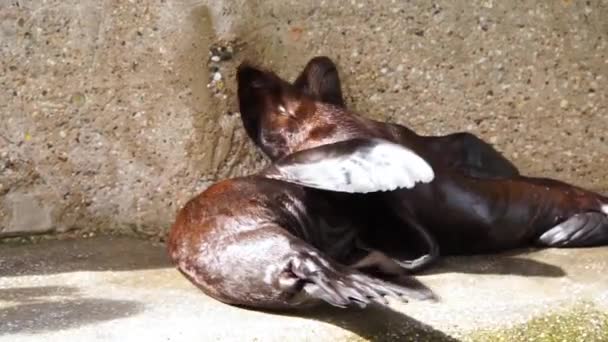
(110, 119)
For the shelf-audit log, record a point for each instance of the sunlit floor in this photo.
(123, 289)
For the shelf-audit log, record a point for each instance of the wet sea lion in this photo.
(273, 240)
(466, 209)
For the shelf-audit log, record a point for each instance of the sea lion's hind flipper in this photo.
(341, 286)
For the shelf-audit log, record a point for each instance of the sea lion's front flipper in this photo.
(425, 260)
(354, 166)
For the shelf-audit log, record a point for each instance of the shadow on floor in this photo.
(375, 323)
(49, 308)
(104, 253)
(501, 264)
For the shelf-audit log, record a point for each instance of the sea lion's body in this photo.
(265, 242)
(468, 210)
(478, 201)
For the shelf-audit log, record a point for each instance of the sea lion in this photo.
(466, 209)
(273, 240)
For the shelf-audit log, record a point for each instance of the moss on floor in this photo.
(580, 323)
(73, 234)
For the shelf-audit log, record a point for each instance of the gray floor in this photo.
(122, 289)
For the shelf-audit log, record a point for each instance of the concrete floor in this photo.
(123, 289)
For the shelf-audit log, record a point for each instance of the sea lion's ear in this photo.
(321, 81)
(355, 166)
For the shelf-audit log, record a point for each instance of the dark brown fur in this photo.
(266, 243)
(468, 208)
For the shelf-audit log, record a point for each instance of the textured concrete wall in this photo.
(113, 114)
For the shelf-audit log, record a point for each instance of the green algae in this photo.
(579, 323)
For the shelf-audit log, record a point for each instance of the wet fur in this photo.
(267, 244)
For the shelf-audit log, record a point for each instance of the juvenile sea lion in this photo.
(466, 209)
(273, 240)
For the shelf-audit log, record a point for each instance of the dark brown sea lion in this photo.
(274, 240)
(468, 208)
